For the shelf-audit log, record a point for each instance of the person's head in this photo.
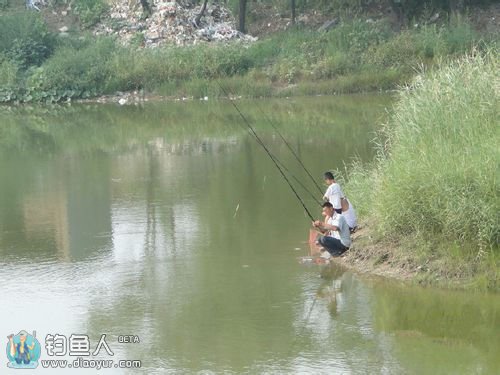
(329, 178)
(327, 209)
(22, 336)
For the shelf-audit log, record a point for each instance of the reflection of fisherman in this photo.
(21, 350)
(331, 289)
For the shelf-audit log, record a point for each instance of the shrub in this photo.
(430, 42)
(4, 4)
(459, 36)
(85, 71)
(357, 35)
(400, 51)
(330, 66)
(413, 47)
(25, 38)
(134, 69)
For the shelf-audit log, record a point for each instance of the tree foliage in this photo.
(25, 39)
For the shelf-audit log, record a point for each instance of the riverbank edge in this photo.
(371, 255)
(237, 87)
(139, 98)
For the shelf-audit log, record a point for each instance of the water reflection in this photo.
(124, 221)
(455, 332)
(55, 208)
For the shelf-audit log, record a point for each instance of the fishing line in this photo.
(298, 181)
(296, 157)
(313, 196)
(252, 130)
(291, 149)
(277, 163)
(292, 175)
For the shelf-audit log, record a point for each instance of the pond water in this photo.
(168, 222)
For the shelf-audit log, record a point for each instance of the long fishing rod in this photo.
(267, 151)
(291, 150)
(289, 172)
(298, 181)
(291, 175)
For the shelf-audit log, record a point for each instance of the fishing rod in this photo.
(291, 149)
(259, 140)
(291, 174)
(298, 181)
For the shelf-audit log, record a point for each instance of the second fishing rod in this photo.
(261, 143)
(294, 153)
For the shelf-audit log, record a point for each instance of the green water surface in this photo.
(167, 221)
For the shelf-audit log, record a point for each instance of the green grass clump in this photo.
(296, 55)
(437, 170)
(8, 73)
(412, 48)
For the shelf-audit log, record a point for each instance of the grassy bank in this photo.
(432, 197)
(356, 56)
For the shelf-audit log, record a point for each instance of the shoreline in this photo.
(138, 98)
(372, 257)
(133, 97)
(368, 257)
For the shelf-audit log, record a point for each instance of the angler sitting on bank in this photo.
(334, 193)
(349, 214)
(336, 237)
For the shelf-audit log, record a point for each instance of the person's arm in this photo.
(324, 226)
(319, 225)
(330, 227)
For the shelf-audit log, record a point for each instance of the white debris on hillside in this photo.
(169, 23)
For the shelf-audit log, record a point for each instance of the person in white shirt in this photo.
(336, 238)
(350, 215)
(334, 193)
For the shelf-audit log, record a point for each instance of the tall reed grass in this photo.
(436, 176)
